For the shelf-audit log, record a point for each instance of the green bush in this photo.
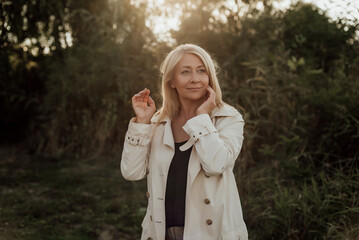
(86, 107)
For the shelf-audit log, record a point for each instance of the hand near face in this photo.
(209, 103)
(144, 106)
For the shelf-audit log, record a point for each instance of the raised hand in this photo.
(144, 106)
(209, 102)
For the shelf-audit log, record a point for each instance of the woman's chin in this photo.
(192, 98)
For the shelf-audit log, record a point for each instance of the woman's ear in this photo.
(172, 84)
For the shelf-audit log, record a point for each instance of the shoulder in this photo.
(226, 110)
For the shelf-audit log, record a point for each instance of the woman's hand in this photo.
(209, 103)
(144, 106)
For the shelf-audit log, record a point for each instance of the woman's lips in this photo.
(194, 88)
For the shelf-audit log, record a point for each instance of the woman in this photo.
(187, 150)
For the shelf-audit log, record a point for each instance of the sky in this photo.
(334, 8)
(161, 24)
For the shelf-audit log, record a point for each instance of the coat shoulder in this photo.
(225, 111)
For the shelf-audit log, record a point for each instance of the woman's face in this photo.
(190, 78)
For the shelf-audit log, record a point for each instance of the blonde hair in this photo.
(171, 103)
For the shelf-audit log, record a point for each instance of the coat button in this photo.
(207, 201)
(200, 133)
(209, 222)
(147, 194)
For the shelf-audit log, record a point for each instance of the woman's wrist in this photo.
(143, 121)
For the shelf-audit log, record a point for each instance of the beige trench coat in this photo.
(213, 208)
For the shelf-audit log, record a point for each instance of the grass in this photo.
(72, 199)
(320, 206)
(84, 199)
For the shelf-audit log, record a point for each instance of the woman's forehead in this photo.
(189, 60)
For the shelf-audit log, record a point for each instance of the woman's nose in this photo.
(195, 78)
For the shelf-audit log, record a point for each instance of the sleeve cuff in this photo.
(138, 133)
(199, 126)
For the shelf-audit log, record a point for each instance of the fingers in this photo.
(146, 94)
(211, 92)
(142, 96)
(151, 102)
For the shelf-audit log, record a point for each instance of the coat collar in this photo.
(223, 111)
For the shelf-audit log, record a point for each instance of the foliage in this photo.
(87, 107)
(79, 102)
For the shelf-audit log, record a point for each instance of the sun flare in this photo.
(165, 18)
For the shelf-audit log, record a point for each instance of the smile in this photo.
(194, 88)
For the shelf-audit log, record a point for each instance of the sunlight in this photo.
(345, 9)
(162, 24)
(165, 17)
(155, 3)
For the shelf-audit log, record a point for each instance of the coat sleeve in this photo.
(135, 154)
(219, 148)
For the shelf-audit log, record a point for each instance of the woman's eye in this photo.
(185, 72)
(202, 70)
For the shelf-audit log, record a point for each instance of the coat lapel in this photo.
(194, 167)
(168, 135)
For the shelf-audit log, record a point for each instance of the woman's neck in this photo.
(188, 108)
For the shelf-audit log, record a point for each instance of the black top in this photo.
(176, 187)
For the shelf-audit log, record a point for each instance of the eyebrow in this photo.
(190, 66)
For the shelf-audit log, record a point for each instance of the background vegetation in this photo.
(65, 106)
